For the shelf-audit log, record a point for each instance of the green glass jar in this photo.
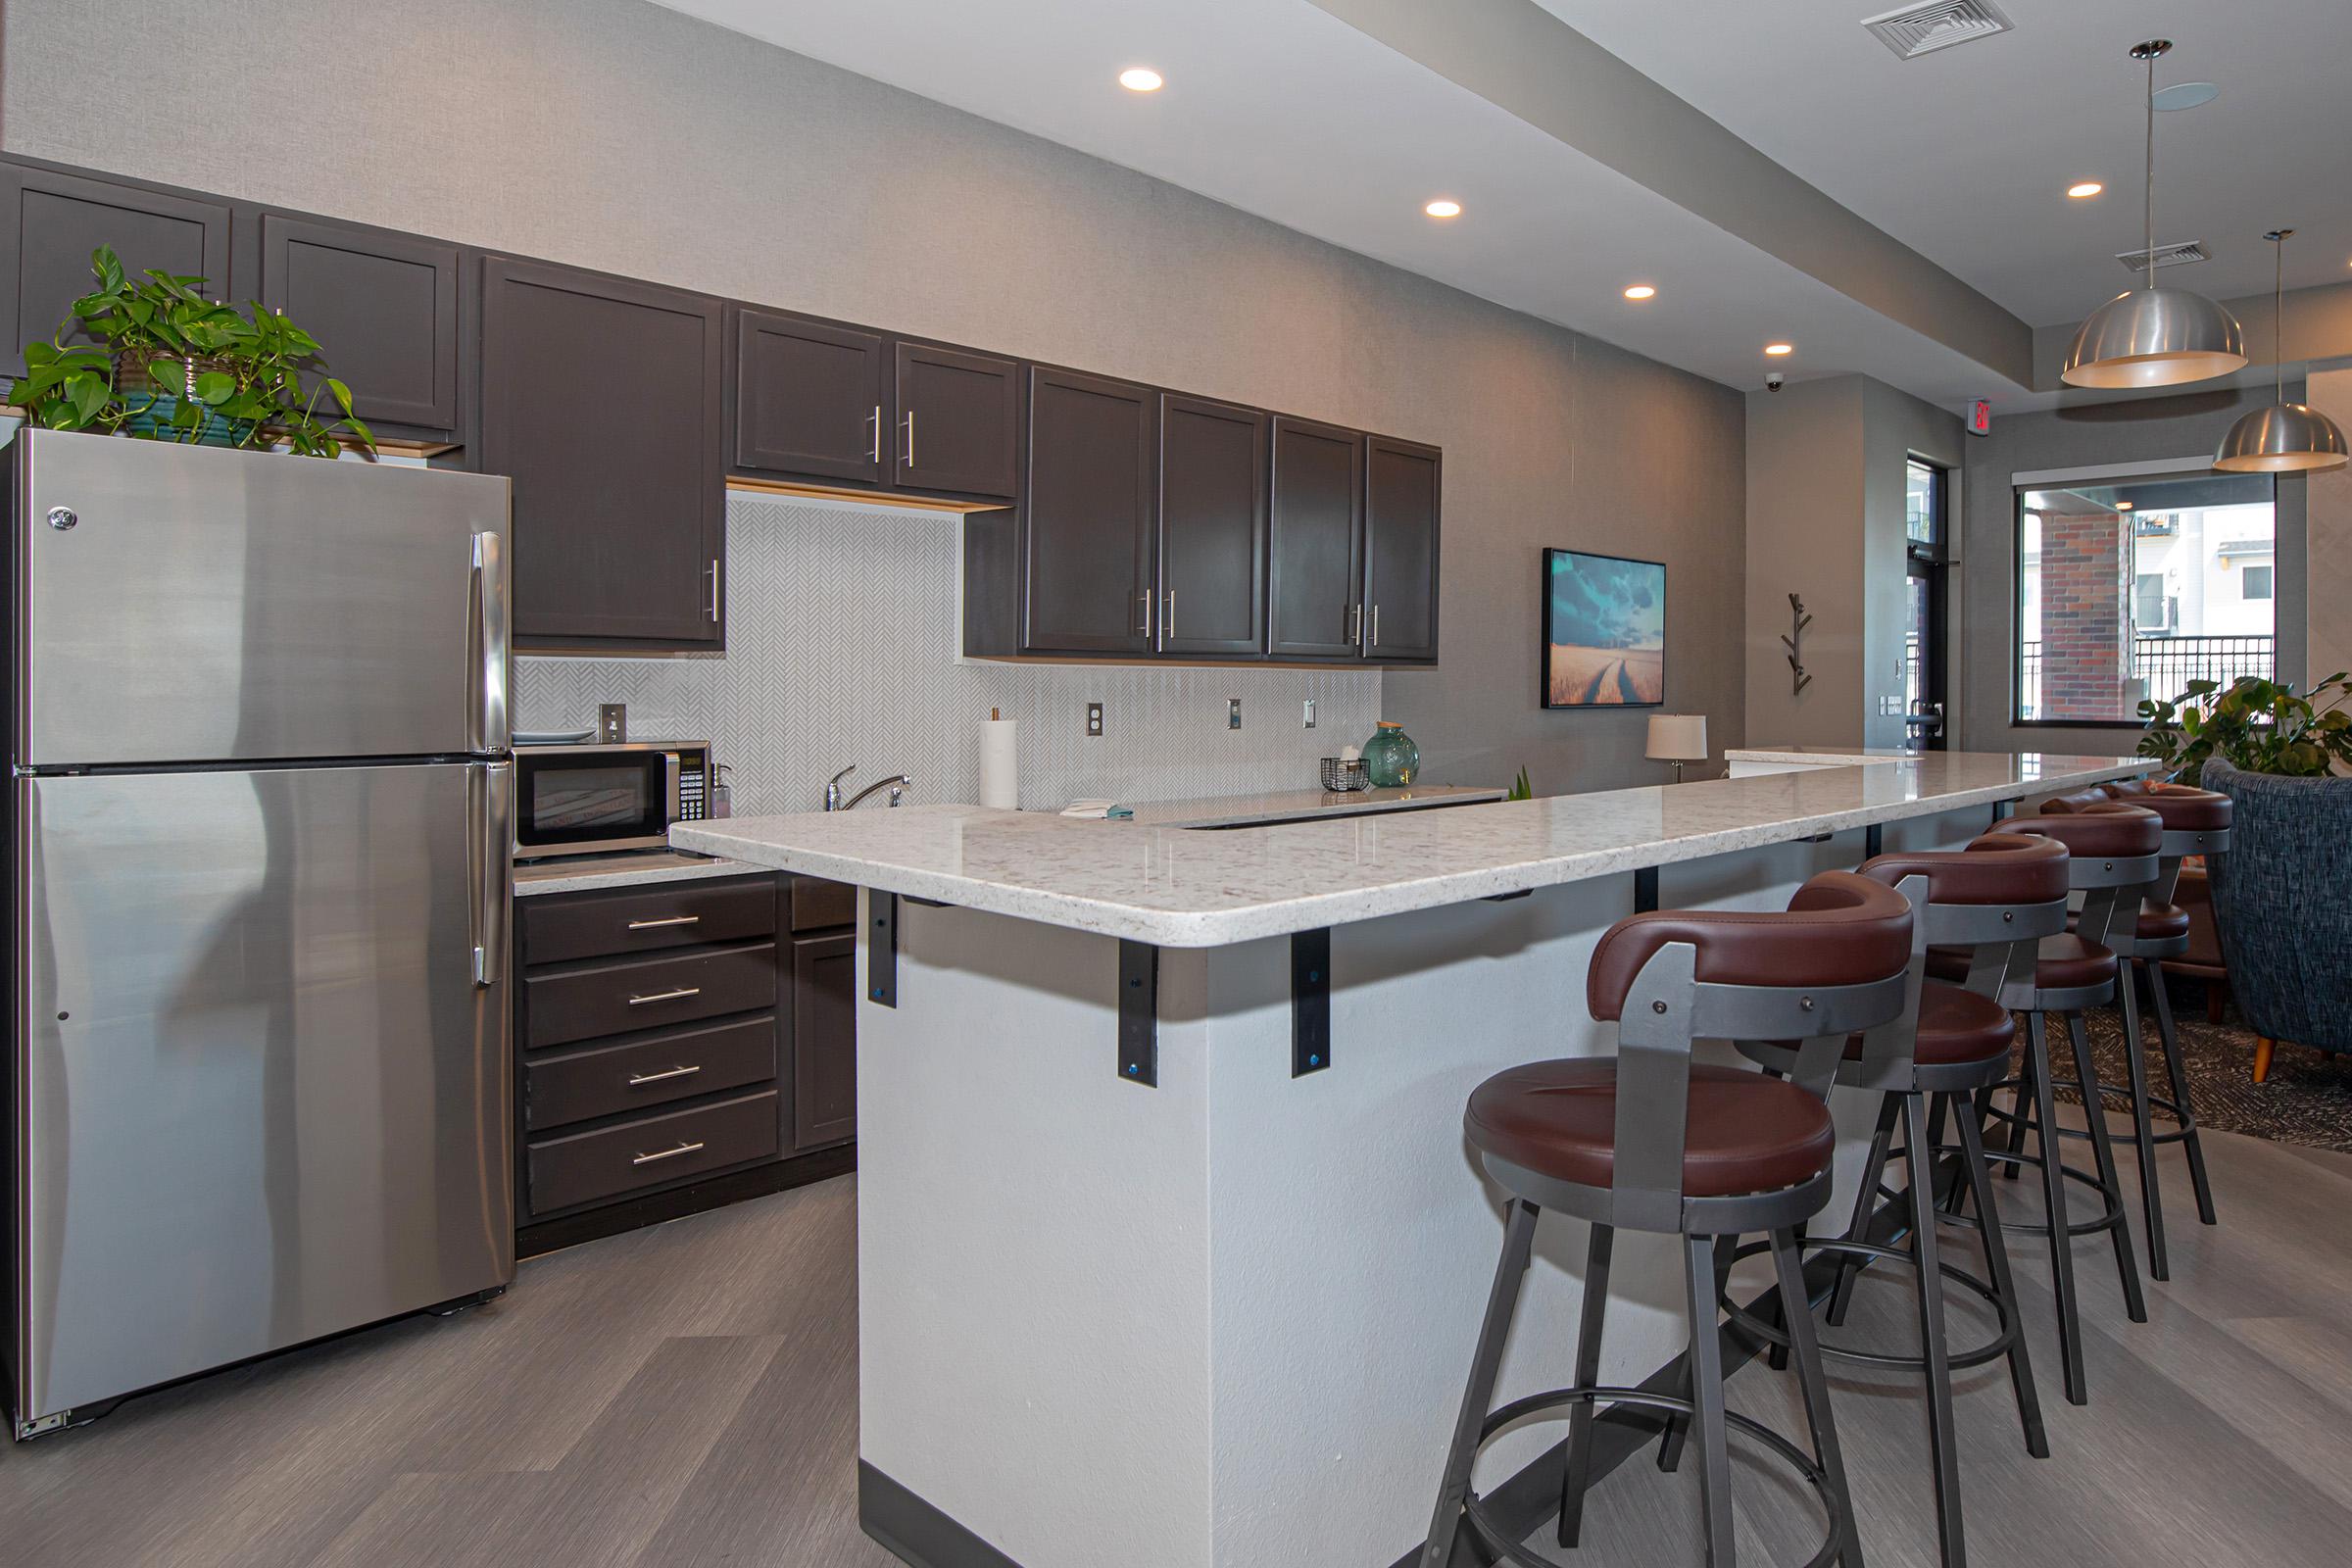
(1391, 757)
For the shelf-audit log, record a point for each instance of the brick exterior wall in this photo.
(2086, 639)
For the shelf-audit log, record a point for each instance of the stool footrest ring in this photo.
(2107, 1222)
(1958, 1360)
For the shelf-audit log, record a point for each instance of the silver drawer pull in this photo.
(674, 919)
(689, 1071)
(667, 995)
(666, 1154)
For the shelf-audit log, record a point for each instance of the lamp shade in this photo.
(1677, 737)
(2154, 337)
(2283, 438)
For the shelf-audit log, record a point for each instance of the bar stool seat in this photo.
(2065, 963)
(1955, 1026)
(2161, 922)
(1745, 1134)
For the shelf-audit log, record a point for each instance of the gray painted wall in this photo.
(1895, 427)
(614, 135)
(2328, 501)
(2188, 425)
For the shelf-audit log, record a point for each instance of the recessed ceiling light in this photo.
(1779, 348)
(1640, 291)
(2082, 188)
(1141, 78)
(1442, 208)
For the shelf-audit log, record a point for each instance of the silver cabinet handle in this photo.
(873, 453)
(637, 1078)
(666, 1154)
(1144, 598)
(1376, 625)
(669, 919)
(907, 461)
(1167, 616)
(679, 993)
(1355, 621)
(714, 588)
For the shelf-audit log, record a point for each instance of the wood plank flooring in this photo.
(687, 1395)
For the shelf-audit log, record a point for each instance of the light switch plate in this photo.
(1094, 719)
(1232, 713)
(1310, 715)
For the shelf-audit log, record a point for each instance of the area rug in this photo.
(2307, 1100)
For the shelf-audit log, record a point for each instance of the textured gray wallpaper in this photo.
(842, 641)
(614, 135)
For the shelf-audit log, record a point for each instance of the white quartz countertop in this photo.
(1283, 806)
(587, 873)
(1818, 756)
(1181, 887)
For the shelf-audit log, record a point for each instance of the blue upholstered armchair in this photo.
(2283, 899)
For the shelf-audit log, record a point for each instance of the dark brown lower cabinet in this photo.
(679, 1046)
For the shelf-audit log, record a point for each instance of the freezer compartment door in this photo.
(264, 1066)
(190, 605)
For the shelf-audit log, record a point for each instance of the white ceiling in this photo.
(1282, 109)
(1965, 154)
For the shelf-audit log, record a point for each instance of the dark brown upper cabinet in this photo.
(1212, 527)
(1087, 515)
(813, 399)
(957, 416)
(383, 308)
(1401, 549)
(601, 399)
(56, 220)
(1318, 562)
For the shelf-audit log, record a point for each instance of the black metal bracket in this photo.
(1871, 841)
(1138, 1012)
(1646, 889)
(2002, 810)
(1310, 1001)
(882, 949)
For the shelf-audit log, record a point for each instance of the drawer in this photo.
(584, 1167)
(558, 927)
(633, 994)
(649, 1070)
(817, 903)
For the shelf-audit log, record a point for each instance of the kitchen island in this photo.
(1170, 1249)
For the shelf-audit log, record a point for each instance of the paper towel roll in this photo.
(999, 763)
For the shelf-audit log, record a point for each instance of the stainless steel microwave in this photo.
(587, 800)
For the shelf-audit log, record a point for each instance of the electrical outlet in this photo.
(1094, 719)
(1232, 713)
(1310, 715)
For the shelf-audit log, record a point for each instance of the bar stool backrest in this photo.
(1998, 898)
(2195, 823)
(1835, 963)
(2115, 861)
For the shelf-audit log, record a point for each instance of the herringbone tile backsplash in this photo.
(841, 648)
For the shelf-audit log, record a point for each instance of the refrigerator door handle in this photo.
(490, 802)
(486, 724)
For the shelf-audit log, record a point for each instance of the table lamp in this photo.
(1677, 738)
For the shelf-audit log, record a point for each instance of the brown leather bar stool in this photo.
(1652, 1141)
(1994, 901)
(2195, 823)
(2112, 860)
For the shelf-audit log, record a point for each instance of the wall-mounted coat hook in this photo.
(1791, 640)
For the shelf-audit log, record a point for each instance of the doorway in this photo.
(1927, 495)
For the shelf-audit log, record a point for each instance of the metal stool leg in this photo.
(1588, 1373)
(1706, 1394)
(1944, 1446)
(2143, 1125)
(1518, 1238)
(2053, 1185)
(1677, 1425)
(1790, 1266)
(1873, 1171)
(1996, 1264)
(2111, 1185)
(2173, 1069)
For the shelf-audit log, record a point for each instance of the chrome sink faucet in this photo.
(897, 784)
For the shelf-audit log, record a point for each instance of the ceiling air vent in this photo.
(2166, 256)
(1915, 31)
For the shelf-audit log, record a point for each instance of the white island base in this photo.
(1225, 1321)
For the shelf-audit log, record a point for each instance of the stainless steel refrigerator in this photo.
(258, 831)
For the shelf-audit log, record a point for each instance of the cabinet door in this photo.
(383, 308)
(824, 1040)
(1401, 549)
(1212, 527)
(55, 220)
(601, 400)
(1318, 555)
(955, 422)
(811, 398)
(1087, 505)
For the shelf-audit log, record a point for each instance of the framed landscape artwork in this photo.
(1604, 631)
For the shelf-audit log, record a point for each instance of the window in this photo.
(1927, 491)
(1923, 503)
(2130, 589)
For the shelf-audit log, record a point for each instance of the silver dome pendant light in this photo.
(2154, 336)
(2286, 437)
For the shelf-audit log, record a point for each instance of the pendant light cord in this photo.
(2148, 187)
(2279, 317)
